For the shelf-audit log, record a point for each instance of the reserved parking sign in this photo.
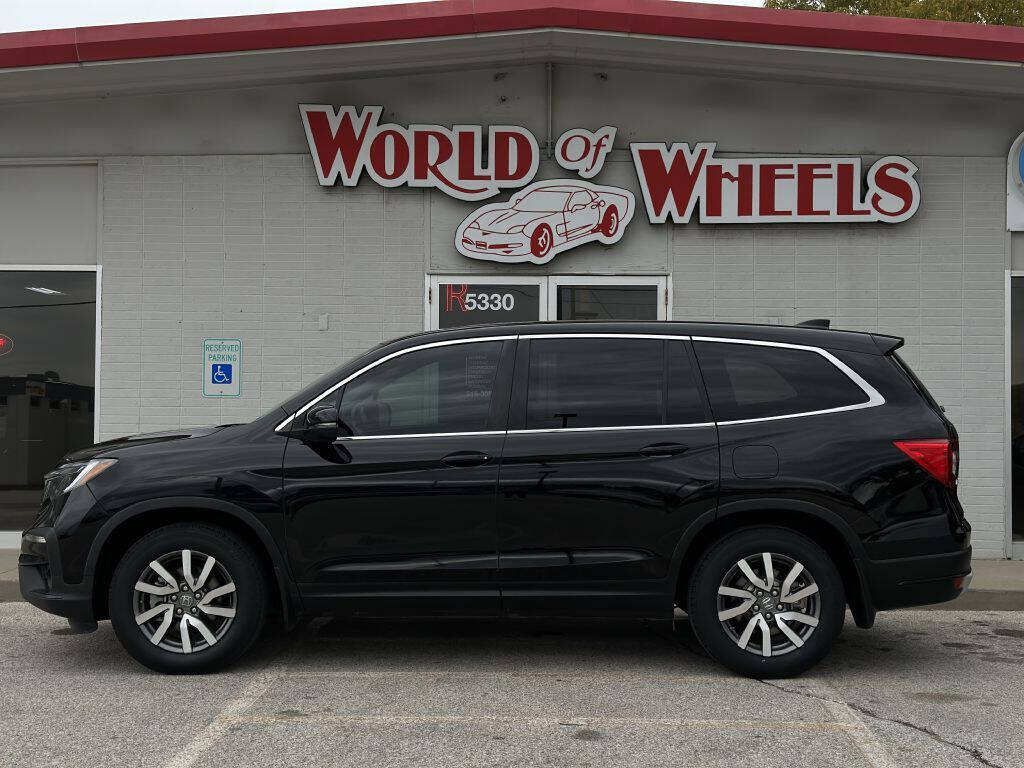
(222, 367)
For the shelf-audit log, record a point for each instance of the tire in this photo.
(233, 617)
(720, 567)
(610, 222)
(541, 241)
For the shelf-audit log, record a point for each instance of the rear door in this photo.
(610, 455)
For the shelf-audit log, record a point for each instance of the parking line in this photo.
(227, 720)
(273, 671)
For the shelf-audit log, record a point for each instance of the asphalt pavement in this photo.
(935, 688)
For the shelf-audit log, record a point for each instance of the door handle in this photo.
(663, 449)
(466, 459)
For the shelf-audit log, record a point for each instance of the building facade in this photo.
(173, 180)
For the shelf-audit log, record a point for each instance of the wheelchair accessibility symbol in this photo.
(221, 374)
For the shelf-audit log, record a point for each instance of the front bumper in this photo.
(42, 583)
(920, 580)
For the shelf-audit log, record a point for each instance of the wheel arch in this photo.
(818, 523)
(121, 530)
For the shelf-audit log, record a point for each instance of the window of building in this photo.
(747, 381)
(439, 389)
(595, 382)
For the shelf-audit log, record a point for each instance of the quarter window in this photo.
(746, 381)
(440, 389)
(598, 382)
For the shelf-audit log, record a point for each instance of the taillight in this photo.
(936, 457)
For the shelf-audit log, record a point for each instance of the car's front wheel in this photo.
(188, 598)
(766, 602)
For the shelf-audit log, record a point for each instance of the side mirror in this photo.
(320, 425)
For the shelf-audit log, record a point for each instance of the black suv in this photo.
(759, 478)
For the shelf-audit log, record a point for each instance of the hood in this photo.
(107, 447)
(504, 219)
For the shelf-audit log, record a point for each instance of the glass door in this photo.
(459, 300)
(454, 301)
(1017, 409)
(47, 380)
(581, 297)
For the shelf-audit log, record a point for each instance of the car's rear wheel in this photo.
(767, 602)
(610, 222)
(188, 598)
(541, 241)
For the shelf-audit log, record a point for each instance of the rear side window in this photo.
(599, 382)
(747, 381)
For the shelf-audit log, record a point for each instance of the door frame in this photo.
(98, 269)
(547, 285)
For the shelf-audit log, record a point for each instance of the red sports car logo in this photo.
(545, 219)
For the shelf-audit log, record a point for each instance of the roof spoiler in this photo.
(887, 344)
(821, 322)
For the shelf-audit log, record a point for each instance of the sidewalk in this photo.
(998, 585)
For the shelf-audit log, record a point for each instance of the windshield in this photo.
(542, 201)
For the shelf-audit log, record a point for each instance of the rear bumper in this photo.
(920, 580)
(42, 583)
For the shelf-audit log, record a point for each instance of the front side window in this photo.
(439, 389)
(598, 382)
(747, 381)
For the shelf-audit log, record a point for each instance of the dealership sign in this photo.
(678, 182)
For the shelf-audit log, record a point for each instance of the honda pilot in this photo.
(760, 479)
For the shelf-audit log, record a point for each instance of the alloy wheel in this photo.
(184, 601)
(773, 596)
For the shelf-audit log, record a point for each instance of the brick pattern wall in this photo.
(253, 248)
(936, 280)
(250, 248)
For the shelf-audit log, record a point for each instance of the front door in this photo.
(397, 516)
(610, 455)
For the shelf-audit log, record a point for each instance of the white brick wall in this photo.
(246, 247)
(252, 247)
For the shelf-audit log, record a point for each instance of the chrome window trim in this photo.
(350, 438)
(610, 429)
(375, 363)
(544, 430)
(874, 396)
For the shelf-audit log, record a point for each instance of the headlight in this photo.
(516, 230)
(84, 472)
